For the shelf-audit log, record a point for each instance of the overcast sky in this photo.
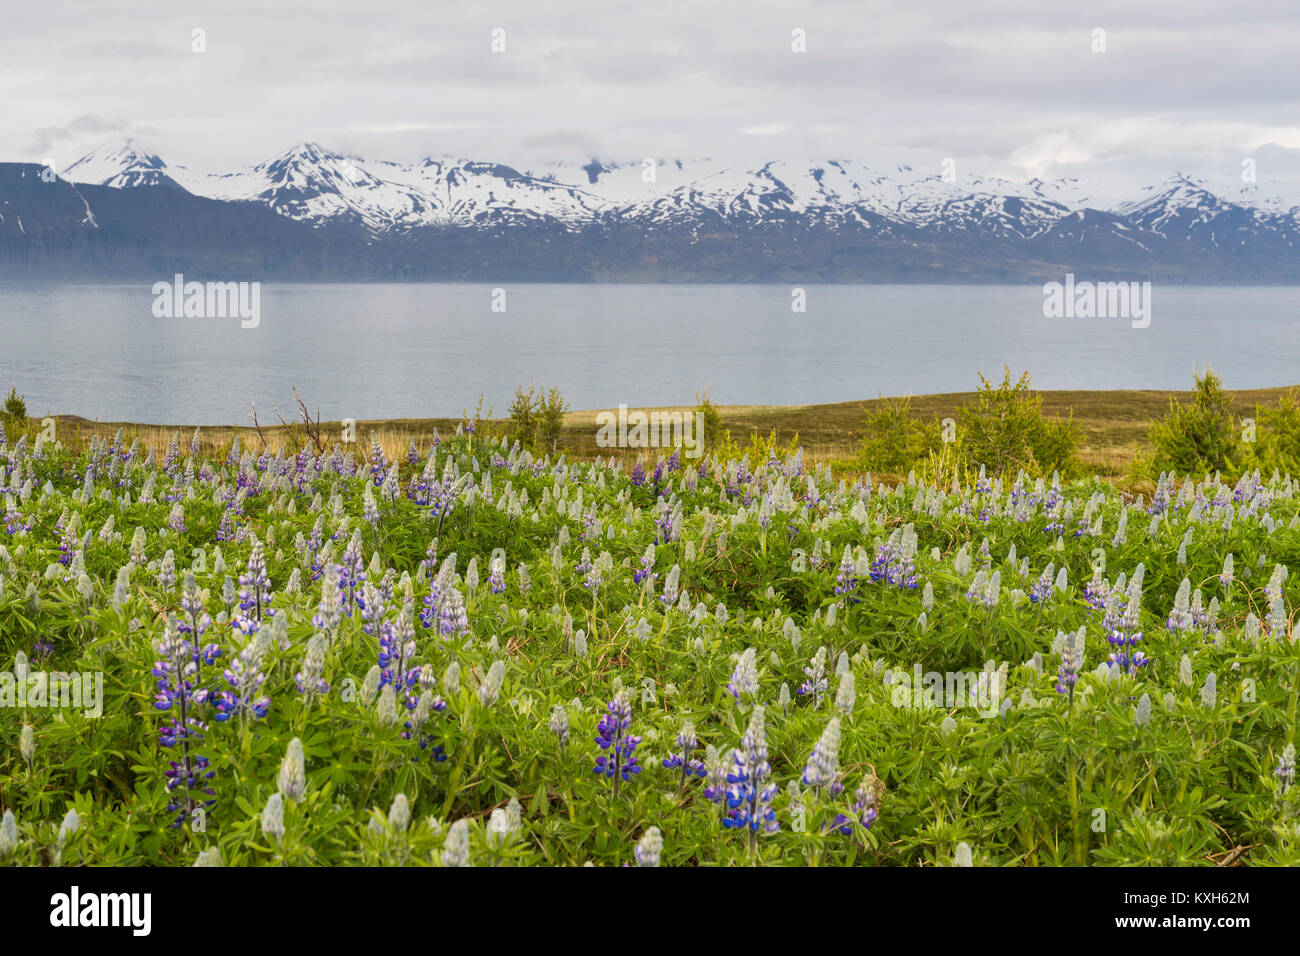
(1003, 86)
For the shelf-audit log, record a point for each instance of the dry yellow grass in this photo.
(1114, 426)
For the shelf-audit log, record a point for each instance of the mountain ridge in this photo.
(833, 220)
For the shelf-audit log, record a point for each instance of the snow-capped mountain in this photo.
(654, 219)
(121, 166)
(311, 184)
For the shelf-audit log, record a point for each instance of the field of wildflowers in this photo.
(474, 656)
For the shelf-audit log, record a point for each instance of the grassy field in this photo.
(1114, 425)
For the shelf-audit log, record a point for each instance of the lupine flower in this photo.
(846, 581)
(245, 678)
(619, 763)
(497, 575)
(453, 620)
(1071, 662)
(686, 745)
(455, 850)
(744, 679)
(293, 772)
(822, 772)
(866, 807)
(646, 571)
(750, 791)
(1042, 589)
(1180, 618)
(846, 694)
(490, 690)
(273, 817)
(1125, 635)
(180, 691)
(8, 834)
(817, 682)
(650, 848)
(399, 814)
(669, 595)
(1142, 715)
(559, 724)
(310, 678)
(1285, 771)
(1210, 690)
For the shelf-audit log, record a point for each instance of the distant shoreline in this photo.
(1114, 424)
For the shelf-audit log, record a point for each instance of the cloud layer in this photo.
(1013, 88)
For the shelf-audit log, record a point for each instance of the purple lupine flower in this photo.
(822, 772)
(686, 745)
(453, 619)
(845, 581)
(378, 461)
(744, 679)
(1071, 663)
(817, 682)
(432, 602)
(255, 586)
(620, 763)
(866, 807)
(497, 576)
(1124, 636)
(310, 678)
(750, 791)
(646, 571)
(559, 724)
(638, 475)
(245, 678)
(352, 572)
(180, 691)
(1042, 589)
(1181, 617)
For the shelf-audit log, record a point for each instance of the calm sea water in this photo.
(409, 350)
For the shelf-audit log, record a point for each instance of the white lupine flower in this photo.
(387, 706)
(8, 834)
(273, 817)
(1210, 690)
(455, 849)
(399, 814)
(846, 694)
(1142, 716)
(490, 691)
(27, 743)
(451, 678)
(71, 823)
(293, 772)
(962, 855)
(650, 848)
(210, 857)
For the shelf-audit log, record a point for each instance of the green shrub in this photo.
(13, 414)
(537, 418)
(1277, 435)
(711, 421)
(550, 418)
(1199, 438)
(894, 441)
(523, 416)
(1004, 430)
